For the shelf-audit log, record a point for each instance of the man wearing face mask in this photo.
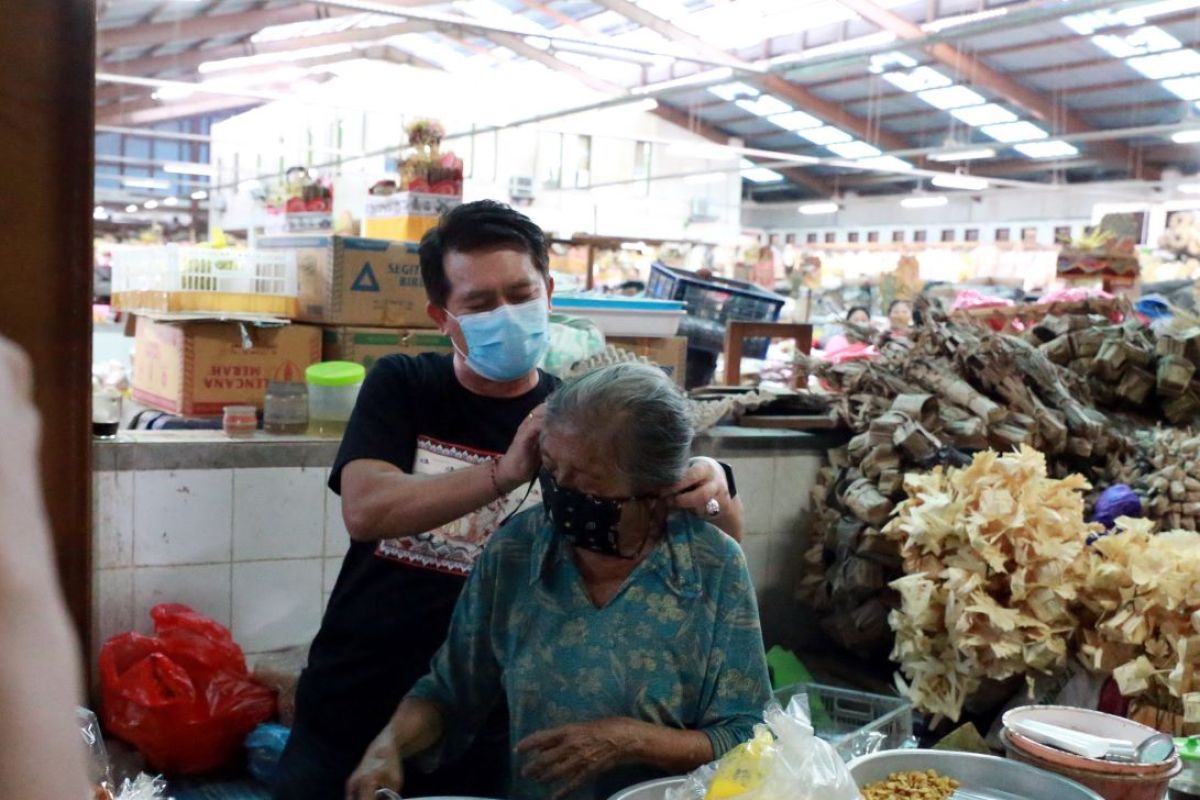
(430, 464)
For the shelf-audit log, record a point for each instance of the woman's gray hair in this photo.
(640, 410)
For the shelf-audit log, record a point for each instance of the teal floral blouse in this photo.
(679, 645)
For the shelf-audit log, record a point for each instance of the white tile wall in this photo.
(755, 479)
(337, 539)
(204, 587)
(112, 605)
(112, 515)
(278, 513)
(276, 603)
(757, 549)
(182, 517)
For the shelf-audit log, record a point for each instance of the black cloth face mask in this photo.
(583, 520)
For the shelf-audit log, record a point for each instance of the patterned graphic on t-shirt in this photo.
(453, 547)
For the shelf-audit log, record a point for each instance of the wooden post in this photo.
(737, 331)
(47, 88)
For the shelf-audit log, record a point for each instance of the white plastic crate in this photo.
(183, 278)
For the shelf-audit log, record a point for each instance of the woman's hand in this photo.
(381, 768)
(520, 464)
(571, 755)
(704, 489)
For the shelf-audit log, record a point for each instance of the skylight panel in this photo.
(917, 80)
(759, 174)
(1141, 42)
(795, 121)
(986, 114)
(1185, 88)
(1050, 149)
(733, 90)
(882, 62)
(1092, 21)
(855, 150)
(1167, 65)
(951, 97)
(1014, 131)
(825, 135)
(764, 106)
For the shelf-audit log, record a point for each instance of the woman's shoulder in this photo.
(710, 545)
(515, 539)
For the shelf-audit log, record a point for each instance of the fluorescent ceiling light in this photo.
(764, 106)
(1050, 149)
(813, 209)
(99, 213)
(918, 80)
(886, 164)
(825, 135)
(262, 59)
(854, 149)
(733, 90)
(146, 183)
(1186, 137)
(199, 194)
(173, 92)
(1188, 188)
(956, 181)
(705, 177)
(150, 205)
(951, 97)
(170, 201)
(1167, 65)
(795, 121)
(183, 168)
(646, 104)
(761, 175)
(1014, 132)
(1186, 88)
(924, 201)
(964, 155)
(131, 208)
(986, 114)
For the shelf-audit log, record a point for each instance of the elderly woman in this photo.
(623, 636)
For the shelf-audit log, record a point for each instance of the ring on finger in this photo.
(712, 507)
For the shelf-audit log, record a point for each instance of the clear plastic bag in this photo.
(784, 761)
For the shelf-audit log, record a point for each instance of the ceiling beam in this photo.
(977, 73)
(524, 49)
(147, 111)
(799, 97)
(207, 27)
(796, 175)
(556, 15)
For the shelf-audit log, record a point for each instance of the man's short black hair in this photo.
(475, 226)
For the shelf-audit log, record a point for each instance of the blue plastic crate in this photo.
(712, 302)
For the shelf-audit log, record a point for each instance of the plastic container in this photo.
(185, 279)
(626, 316)
(855, 723)
(1106, 781)
(285, 408)
(240, 421)
(1187, 783)
(650, 790)
(332, 391)
(710, 303)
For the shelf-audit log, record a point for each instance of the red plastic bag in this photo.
(183, 697)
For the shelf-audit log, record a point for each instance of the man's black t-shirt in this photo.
(391, 607)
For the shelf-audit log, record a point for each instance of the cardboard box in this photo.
(347, 280)
(198, 368)
(669, 352)
(367, 345)
(405, 216)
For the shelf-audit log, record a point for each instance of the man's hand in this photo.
(381, 768)
(574, 754)
(524, 457)
(703, 483)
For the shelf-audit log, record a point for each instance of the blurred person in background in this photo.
(42, 756)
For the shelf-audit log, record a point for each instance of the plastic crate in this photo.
(186, 279)
(710, 303)
(855, 723)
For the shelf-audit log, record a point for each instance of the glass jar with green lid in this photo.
(332, 391)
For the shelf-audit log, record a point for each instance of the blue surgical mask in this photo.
(507, 342)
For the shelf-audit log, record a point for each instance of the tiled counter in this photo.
(247, 532)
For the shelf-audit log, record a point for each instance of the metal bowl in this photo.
(650, 790)
(984, 776)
